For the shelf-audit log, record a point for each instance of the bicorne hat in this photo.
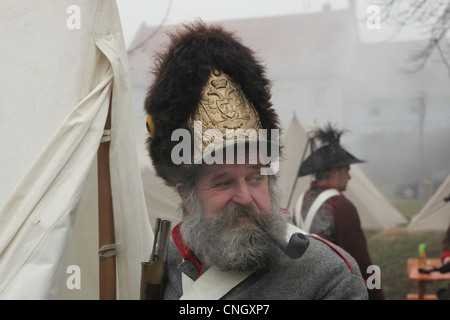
(329, 155)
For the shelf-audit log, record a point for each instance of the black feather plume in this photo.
(329, 134)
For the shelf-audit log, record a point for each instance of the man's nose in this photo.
(242, 194)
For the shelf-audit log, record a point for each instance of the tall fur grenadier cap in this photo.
(200, 61)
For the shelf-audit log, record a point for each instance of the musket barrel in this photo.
(164, 240)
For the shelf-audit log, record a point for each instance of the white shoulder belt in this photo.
(324, 196)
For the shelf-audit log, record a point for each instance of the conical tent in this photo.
(376, 213)
(435, 215)
(293, 143)
(64, 73)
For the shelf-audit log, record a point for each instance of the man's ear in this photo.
(333, 171)
(180, 190)
(334, 177)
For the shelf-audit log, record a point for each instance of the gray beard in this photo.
(229, 244)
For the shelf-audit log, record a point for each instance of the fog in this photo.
(333, 65)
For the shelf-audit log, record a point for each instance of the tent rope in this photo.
(107, 250)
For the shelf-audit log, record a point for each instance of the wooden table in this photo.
(421, 278)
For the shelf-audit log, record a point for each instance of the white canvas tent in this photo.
(162, 201)
(376, 213)
(63, 70)
(435, 215)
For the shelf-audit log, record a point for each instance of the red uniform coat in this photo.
(337, 221)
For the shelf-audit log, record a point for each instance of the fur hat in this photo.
(330, 155)
(195, 54)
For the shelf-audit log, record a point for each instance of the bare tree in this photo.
(149, 37)
(433, 19)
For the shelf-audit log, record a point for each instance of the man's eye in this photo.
(256, 179)
(223, 183)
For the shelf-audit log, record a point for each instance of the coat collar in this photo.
(184, 250)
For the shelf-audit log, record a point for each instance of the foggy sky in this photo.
(379, 103)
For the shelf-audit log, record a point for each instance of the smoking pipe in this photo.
(295, 248)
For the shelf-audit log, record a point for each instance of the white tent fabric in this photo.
(59, 78)
(376, 213)
(435, 215)
(162, 201)
(293, 142)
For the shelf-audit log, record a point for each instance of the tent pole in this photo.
(107, 264)
(308, 142)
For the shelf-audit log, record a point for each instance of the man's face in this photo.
(226, 210)
(342, 177)
(220, 185)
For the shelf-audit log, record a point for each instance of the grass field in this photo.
(390, 250)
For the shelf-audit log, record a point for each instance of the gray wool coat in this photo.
(321, 273)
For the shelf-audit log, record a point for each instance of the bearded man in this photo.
(230, 243)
